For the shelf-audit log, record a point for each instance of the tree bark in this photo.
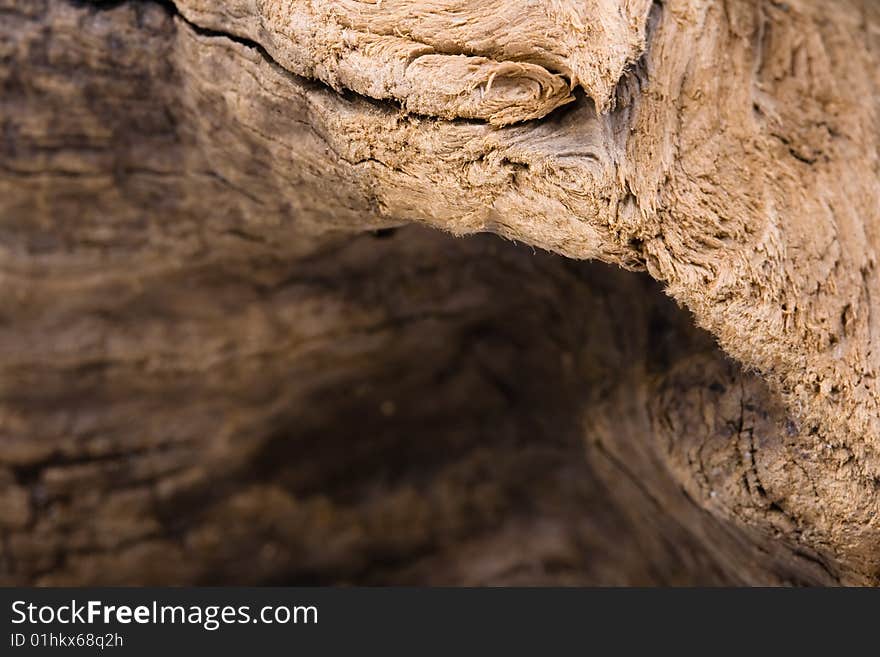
(235, 347)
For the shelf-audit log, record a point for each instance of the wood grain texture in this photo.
(208, 352)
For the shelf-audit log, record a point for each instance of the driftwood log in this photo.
(235, 347)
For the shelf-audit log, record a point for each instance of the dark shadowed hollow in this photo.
(406, 407)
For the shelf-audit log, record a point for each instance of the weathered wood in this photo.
(208, 353)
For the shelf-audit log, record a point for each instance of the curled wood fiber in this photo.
(496, 60)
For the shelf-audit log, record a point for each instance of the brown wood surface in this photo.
(239, 345)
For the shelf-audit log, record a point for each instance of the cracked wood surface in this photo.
(191, 308)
